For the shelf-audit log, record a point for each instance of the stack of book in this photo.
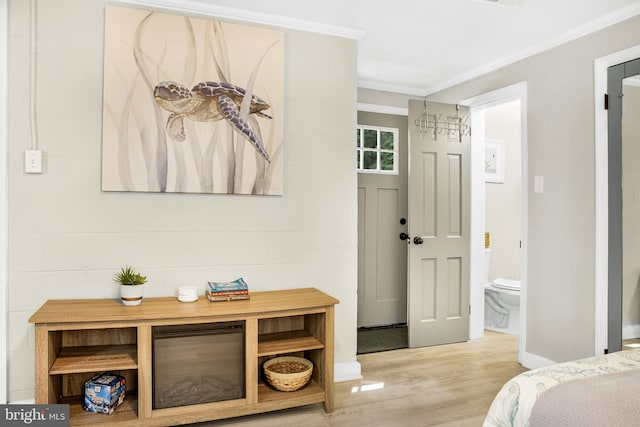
(228, 291)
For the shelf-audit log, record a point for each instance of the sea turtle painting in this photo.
(206, 102)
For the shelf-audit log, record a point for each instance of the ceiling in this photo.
(417, 47)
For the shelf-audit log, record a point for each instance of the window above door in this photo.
(377, 149)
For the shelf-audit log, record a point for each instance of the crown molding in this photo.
(227, 13)
(383, 109)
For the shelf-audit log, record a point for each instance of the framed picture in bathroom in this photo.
(494, 161)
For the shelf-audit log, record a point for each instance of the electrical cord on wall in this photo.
(33, 156)
(32, 75)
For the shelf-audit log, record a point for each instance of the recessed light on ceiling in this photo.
(505, 3)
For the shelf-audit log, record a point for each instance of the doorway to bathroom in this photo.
(502, 217)
(499, 207)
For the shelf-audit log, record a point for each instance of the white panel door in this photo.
(439, 223)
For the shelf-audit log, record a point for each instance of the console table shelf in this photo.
(311, 393)
(73, 360)
(76, 339)
(286, 342)
(126, 413)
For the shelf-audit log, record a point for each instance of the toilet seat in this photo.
(507, 284)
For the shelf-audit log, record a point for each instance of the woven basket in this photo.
(288, 373)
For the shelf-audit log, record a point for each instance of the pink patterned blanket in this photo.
(514, 404)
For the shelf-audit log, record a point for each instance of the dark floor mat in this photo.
(372, 340)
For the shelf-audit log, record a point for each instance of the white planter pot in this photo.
(131, 294)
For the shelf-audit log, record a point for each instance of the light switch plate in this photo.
(538, 184)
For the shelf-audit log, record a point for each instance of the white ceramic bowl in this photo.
(187, 293)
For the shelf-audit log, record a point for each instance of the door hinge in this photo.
(606, 101)
(469, 310)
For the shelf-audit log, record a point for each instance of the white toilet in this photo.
(502, 306)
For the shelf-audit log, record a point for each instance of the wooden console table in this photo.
(75, 339)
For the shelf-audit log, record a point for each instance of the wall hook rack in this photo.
(451, 125)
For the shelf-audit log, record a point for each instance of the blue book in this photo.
(236, 285)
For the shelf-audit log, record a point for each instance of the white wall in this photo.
(4, 34)
(67, 238)
(502, 200)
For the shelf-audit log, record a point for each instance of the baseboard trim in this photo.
(346, 371)
(630, 332)
(533, 361)
(23, 402)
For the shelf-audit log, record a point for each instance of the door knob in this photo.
(418, 240)
(404, 236)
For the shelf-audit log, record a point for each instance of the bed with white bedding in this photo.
(596, 391)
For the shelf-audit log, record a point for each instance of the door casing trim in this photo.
(602, 192)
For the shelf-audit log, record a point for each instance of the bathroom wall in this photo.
(67, 237)
(502, 200)
(631, 211)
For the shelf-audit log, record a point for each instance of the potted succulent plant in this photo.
(131, 285)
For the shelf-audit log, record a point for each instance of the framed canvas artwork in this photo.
(494, 161)
(191, 105)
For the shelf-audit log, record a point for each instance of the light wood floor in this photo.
(446, 386)
(630, 344)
